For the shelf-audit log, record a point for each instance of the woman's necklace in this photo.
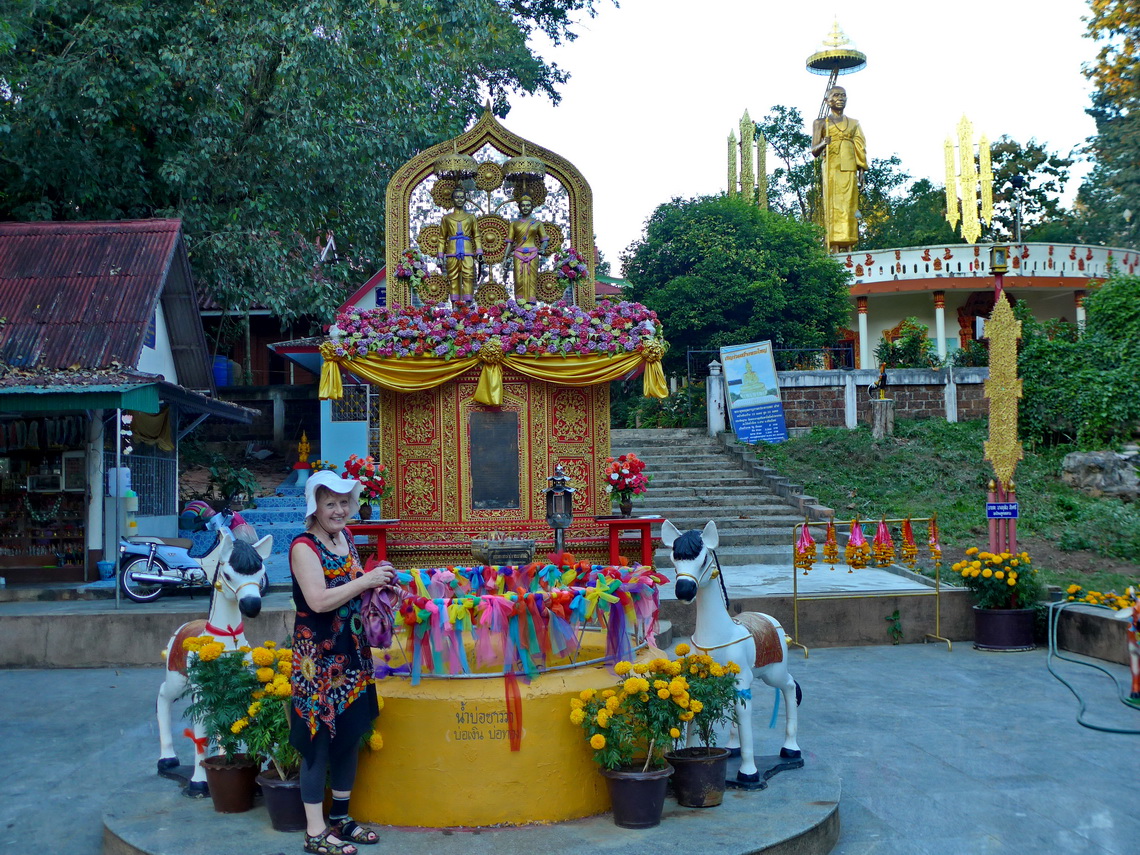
(332, 541)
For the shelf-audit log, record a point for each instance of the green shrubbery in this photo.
(1082, 389)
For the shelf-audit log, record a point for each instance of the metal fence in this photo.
(153, 476)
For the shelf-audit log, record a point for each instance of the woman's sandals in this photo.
(349, 829)
(321, 845)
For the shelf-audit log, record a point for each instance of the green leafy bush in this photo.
(912, 349)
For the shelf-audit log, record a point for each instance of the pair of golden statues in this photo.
(461, 248)
(838, 139)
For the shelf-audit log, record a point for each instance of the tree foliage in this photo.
(1043, 175)
(1109, 200)
(263, 124)
(719, 271)
(1083, 388)
(915, 218)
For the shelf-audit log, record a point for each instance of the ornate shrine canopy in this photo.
(413, 349)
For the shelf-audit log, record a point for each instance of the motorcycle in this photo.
(151, 566)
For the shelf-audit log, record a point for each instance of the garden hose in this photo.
(1123, 691)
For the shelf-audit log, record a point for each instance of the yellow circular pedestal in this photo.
(447, 758)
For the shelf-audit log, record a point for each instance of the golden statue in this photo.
(526, 239)
(460, 246)
(303, 448)
(839, 139)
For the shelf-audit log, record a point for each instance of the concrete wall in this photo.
(850, 621)
(840, 398)
(135, 634)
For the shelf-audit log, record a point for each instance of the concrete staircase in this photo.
(282, 516)
(695, 480)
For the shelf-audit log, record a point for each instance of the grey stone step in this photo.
(736, 491)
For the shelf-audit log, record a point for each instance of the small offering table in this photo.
(377, 529)
(617, 525)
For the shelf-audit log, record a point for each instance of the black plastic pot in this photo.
(637, 797)
(699, 775)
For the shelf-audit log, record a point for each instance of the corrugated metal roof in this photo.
(81, 294)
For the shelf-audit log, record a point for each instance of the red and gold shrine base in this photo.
(425, 438)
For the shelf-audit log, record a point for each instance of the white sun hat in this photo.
(330, 481)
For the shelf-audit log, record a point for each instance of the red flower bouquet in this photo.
(625, 477)
(373, 476)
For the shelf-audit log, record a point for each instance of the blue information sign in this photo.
(1001, 510)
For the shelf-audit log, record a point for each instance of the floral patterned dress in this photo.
(332, 663)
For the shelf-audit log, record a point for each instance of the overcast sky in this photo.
(657, 85)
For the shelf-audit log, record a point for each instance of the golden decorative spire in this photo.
(1003, 389)
(952, 215)
(762, 170)
(747, 179)
(732, 163)
(968, 179)
(986, 175)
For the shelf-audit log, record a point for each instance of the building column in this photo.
(1079, 301)
(940, 323)
(864, 337)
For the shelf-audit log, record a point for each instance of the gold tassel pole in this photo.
(747, 179)
(732, 163)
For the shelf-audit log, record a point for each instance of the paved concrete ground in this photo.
(939, 753)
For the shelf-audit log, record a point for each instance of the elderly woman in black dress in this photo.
(334, 698)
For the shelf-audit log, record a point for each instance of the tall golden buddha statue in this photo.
(838, 139)
(526, 240)
(460, 247)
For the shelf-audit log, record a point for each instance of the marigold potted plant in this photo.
(630, 727)
(220, 687)
(375, 482)
(1006, 590)
(700, 770)
(265, 729)
(626, 480)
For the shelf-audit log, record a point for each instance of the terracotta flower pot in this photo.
(1004, 629)
(699, 775)
(637, 797)
(231, 781)
(282, 801)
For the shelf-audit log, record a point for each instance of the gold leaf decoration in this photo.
(549, 288)
(434, 289)
(534, 188)
(489, 176)
(430, 240)
(490, 293)
(493, 231)
(441, 192)
(554, 232)
(1003, 389)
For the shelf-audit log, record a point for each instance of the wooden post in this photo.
(882, 417)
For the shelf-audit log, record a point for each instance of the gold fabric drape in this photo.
(411, 374)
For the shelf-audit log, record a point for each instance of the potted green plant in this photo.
(220, 686)
(630, 727)
(699, 771)
(265, 729)
(1006, 590)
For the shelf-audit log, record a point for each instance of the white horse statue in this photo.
(751, 640)
(237, 571)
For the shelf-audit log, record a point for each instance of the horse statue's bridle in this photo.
(221, 579)
(710, 561)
